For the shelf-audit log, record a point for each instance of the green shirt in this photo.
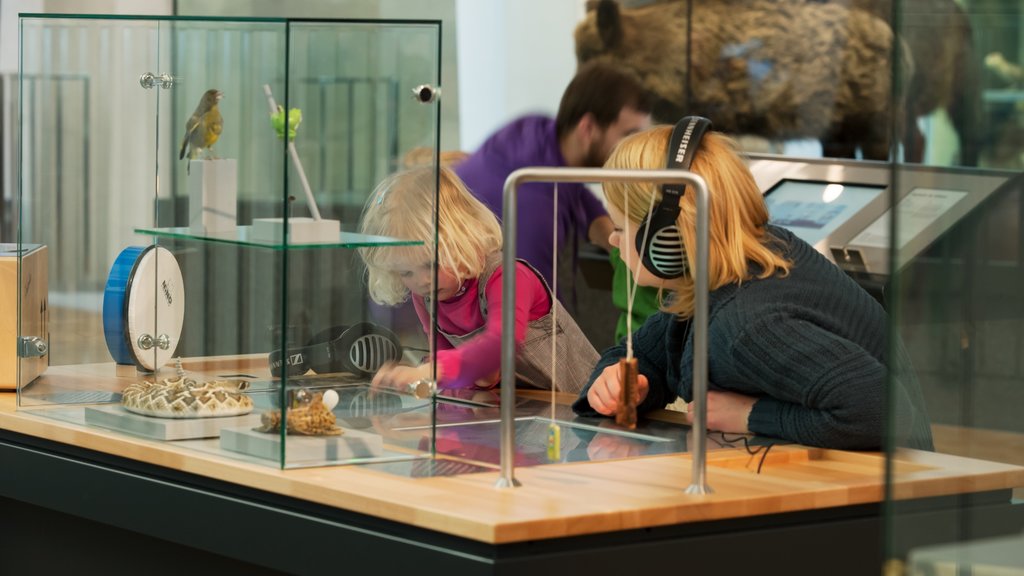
(644, 304)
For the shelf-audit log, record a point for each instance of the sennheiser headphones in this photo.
(360, 349)
(664, 254)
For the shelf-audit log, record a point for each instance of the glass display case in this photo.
(197, 184)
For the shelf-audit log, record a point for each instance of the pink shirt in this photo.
(480, 357)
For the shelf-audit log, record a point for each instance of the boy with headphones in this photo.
(796, 349)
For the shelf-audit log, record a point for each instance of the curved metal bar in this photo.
(507, 479)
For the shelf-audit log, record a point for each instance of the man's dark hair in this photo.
(603, 90)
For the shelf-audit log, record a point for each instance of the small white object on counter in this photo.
(330, 399)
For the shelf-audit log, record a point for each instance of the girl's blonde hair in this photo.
(402, 207)
(737, 218)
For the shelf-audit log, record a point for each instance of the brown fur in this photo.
(780, 69)
(939, 36)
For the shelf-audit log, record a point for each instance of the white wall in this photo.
(514, 57)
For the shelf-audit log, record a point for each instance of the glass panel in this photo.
(353, 85)
(87, 162)
(190, 265)
(957, 296)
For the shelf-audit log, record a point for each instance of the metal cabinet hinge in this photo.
(150, 80)
(32, 347)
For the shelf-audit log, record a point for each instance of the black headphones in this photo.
(664, 254)
(360, 349)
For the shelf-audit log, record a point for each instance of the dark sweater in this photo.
(811, 346)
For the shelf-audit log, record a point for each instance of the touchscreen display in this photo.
(812, 210)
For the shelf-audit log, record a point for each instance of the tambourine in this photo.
(143, 307)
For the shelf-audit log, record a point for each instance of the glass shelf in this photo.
(241, 237)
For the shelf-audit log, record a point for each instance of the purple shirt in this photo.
(530, 141)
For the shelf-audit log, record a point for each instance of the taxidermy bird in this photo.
(203, 128)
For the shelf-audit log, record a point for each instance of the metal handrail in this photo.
(507, 479)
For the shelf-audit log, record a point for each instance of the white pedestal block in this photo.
(300, 230)
(351, 444)
(117, 418)
(213, 196)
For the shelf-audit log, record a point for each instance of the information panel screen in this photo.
(813, 210)
(916, 212)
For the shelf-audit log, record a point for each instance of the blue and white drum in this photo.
(143, 307)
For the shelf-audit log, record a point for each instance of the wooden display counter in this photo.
(560, 515)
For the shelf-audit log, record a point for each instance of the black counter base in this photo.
(67, 509)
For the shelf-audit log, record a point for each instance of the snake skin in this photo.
(186, 398)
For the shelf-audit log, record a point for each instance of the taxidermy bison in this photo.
(946, 74)
(779, 69)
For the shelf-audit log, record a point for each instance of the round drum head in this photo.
(143, 307)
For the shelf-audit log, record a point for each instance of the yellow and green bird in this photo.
(203, 128)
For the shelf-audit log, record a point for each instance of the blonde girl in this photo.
(468, 288)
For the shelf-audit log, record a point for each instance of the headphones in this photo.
(664, 254)
(360, 349)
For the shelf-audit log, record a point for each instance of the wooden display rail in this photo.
(568, 499)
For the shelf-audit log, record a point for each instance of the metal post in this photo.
(507, 479)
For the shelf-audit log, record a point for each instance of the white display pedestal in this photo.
(117, 418)
(213, 196)
(351, 444)
(300, 230)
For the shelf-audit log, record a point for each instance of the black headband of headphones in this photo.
(682, 147)
(663, 255)
(360, 349)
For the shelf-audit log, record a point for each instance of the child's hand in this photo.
(603, 395)
(399, 377)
